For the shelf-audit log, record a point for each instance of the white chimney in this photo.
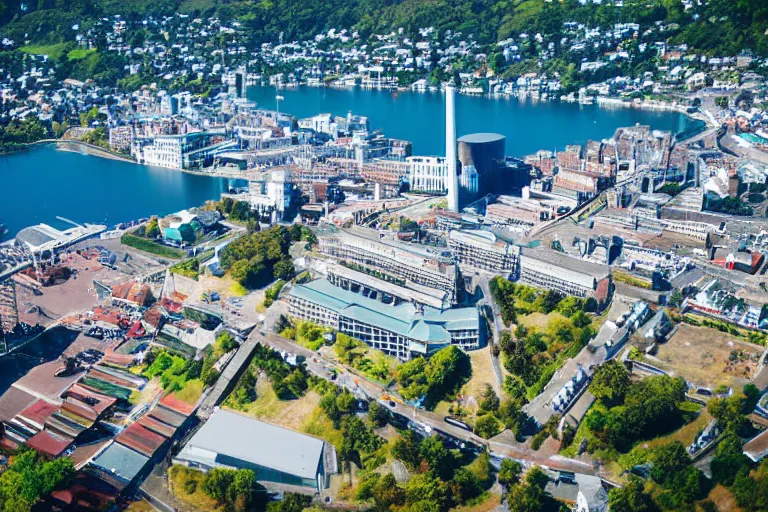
(452, 180)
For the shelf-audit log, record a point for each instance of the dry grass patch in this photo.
(140, 506)
(706, 357)
(723, 499)
(471, 393)
(178, 478)
(487, 502)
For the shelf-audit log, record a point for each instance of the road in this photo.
(501, 446)
(498, 325)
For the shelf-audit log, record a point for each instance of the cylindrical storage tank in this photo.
(484, 152)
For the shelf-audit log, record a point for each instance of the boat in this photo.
(3, 231)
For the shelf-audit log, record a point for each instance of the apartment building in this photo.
(484, 250)
(404, 331)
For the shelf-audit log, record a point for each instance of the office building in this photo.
(404, 331)
(427, 174)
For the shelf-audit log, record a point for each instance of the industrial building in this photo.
(545, 268)
(279, 456)
(394, 260)
(482, 154)
(484, 250)
(405, 330)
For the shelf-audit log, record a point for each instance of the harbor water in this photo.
(42, 183)
(420, 117)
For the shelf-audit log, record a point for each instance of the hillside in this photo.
(717, 27)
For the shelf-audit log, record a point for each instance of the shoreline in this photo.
(77, 146)
(655, 106)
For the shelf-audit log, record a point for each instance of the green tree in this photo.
(631, 498)
(529, 496)
(509, 472)
(487, 426)
(489, 401)
(378, 414)
(406, 449)
(610, 382)
(386, 493)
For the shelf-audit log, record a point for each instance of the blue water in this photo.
(420, 117)
(40, 184)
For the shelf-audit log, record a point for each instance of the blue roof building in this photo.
(404, 330)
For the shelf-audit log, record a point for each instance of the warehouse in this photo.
(277, 455)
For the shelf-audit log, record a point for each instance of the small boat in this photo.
(3, 231)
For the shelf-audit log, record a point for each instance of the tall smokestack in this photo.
(452, 180)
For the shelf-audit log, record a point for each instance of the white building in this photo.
(427, 174)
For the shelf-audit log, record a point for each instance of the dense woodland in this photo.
(717, 26)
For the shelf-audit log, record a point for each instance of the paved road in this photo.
(498, 325)
(501, 446)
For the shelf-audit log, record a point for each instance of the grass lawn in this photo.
(539, 321)
(80, 53)
(192, 392)
(290, 414)
(685, 434)
(319, 425)
(53, 51)
(238, 290)
(146, 245)
(178, 475)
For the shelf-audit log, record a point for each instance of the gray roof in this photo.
(479, 138)
(262, 444)
(34, 236)
(121, 461)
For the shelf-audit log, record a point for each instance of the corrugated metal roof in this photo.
(120, 461)
(180, 406)
(140, 439)
(38, 412)
(266, 445)
(49, 443)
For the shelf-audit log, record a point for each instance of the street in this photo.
(347, 378)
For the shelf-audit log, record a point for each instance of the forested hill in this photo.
(717, 26)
